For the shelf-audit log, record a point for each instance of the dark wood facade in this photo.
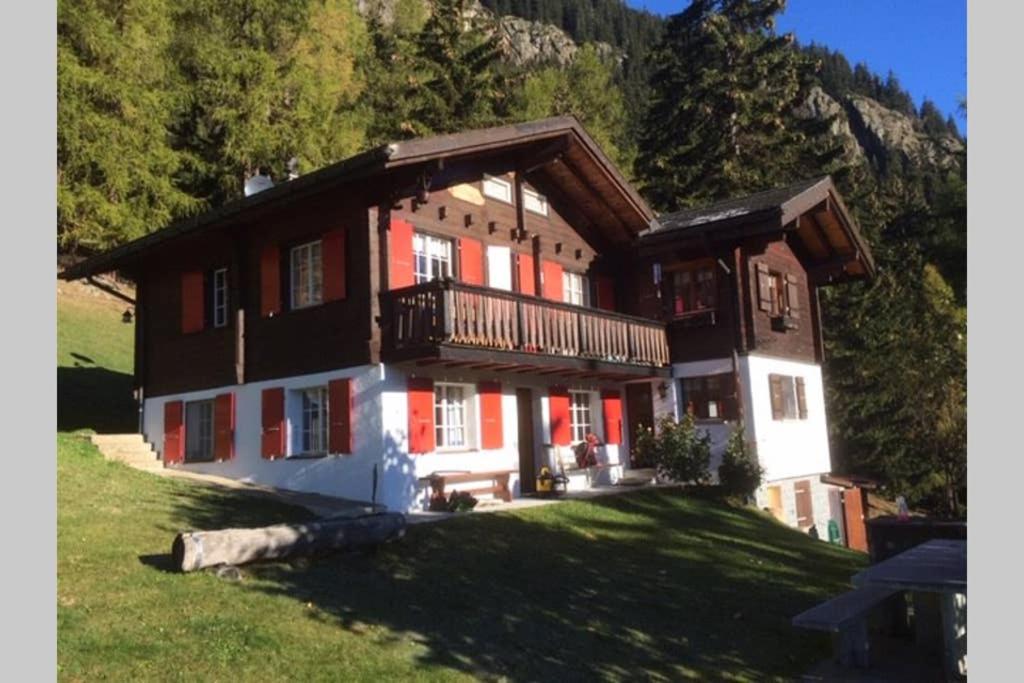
(596, 226)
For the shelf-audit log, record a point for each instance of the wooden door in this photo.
(804, 507)
(853, 516)
(527, 454)
(639, 415)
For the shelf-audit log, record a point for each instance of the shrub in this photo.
(739, 474)
(677, 449)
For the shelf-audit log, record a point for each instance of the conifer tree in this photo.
(266, 82)
(115, 164)
(459, 53)
(721, 119)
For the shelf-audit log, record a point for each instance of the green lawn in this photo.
(650, 585)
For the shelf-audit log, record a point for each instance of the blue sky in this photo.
(923, 42)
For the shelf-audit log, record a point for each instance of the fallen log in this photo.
(200, 549)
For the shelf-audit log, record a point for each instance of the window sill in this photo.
(447, 451)
(706, 318)
(307, 456)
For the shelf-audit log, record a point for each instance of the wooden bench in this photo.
(438, 482)
(846, 617)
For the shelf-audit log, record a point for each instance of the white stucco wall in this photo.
(785, 448)
(822, 506)
(380, 426)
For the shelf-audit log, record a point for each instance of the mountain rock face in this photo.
(869, 130)
(522, 42)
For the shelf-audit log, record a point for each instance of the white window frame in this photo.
(220, 297)
(431, 257)
(454, 418)
(581, 415)
(306, 268)
(535, 202)
(574, 288)
(307, 441)
(201, 430)
(497, 188)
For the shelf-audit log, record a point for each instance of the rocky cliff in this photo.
(522, 42)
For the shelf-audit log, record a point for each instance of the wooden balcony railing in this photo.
(446, 312)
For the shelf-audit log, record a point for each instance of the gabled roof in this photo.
(560, 149)
(812, 209)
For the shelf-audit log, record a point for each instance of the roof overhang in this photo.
(811, 216)
(556, 154)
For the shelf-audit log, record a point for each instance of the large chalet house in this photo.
(481, 302)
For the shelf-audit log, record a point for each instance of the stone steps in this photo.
(130, 449)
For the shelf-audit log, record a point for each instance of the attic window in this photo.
(535, 202)
(498, 189)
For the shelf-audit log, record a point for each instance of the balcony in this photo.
(460, 324)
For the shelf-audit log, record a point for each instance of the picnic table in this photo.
(933, 571)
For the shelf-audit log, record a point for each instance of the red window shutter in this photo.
(471, 261)
(224, 427)
(192, 311)
(421, 415)
(273, 437)
(605, 293)
(611, 407)
(527, 278)
(174, 432)
(553, 281)
(400, 272)
(270, 281)
(558, 409)
(490, 415)
(339, 402)
(333, 259)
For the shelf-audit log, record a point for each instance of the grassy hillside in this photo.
(652, 584)
(94, 361)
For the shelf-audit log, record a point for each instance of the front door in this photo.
(639, 416)
(527, 467)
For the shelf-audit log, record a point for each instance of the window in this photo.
(306, 275)
(313, 425)
(220, 297)
(693, 290)
(432, 258)
(579, 414)
(535, 202)
(451, 416)
(573, 288)
(776, 294)
(199, 431)
(710, 397)
(788, 396)
(498, 188)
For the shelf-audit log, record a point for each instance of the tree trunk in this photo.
(199, 549)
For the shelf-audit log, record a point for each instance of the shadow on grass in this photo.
(643, 585)
(95, 398)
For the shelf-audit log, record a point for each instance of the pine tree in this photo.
(721, 119)
(266, 82)
(115, 165)
(585, 89)
(459, 54)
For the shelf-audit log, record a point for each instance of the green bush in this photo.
(678, 450)
(739, 474)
